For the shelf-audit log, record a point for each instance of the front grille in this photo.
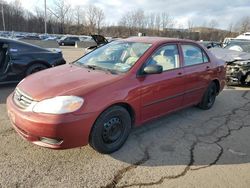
(21, 99)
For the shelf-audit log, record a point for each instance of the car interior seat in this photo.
(132, 58)
(170, 54)
(166, 62)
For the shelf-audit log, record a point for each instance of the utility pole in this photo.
(3, 17)
(45, 16)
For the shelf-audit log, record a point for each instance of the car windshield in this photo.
(242, 46)
(118, 56)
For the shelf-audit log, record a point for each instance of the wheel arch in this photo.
(125, 105)
(217, 83)
(39, 62)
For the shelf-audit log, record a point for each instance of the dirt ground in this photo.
(189, 148)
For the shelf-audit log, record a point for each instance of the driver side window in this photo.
(166, 56)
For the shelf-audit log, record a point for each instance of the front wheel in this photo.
(110, 130)
(209, 97)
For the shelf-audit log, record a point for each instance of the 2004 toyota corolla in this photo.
(100, 97)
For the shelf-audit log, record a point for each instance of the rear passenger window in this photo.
(167, 56)
(193, 55)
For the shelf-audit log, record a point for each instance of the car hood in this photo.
(229, 55)
(65, 80)
(99, 39)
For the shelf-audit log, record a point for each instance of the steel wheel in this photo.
(110, 130)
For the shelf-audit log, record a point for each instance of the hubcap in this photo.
(112, 130)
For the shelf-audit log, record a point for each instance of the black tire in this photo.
(110, 130)
(209, 97)
(35, 68)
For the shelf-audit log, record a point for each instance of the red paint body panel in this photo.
(160, 93)
(149, 96)
(72, 129)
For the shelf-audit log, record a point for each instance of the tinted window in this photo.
(74, 38)
(167, 56)
(193, 55)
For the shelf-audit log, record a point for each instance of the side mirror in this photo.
(153, 69)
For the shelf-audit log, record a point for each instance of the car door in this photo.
(197, 68)
(162, 93)
(73, 40)
(67, 41)
(4, 59)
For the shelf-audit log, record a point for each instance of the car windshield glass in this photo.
(117, 56)
(239, 46)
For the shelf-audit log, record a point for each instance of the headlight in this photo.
(59, 105)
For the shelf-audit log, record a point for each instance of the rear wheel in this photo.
(35, 68)
(209, 97)
(111, 130)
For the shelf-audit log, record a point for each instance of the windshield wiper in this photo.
(94, 67)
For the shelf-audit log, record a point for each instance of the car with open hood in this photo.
(19, 59)
(94, 42)
(120, 85)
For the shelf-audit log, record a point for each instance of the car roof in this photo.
(156, 40)
(22, 43)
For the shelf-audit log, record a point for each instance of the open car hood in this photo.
(229, 55)
(99, 39)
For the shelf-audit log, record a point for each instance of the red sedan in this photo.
(101, 96)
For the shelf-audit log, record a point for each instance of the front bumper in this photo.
(237, 74)
(59, 62)
(70, 130)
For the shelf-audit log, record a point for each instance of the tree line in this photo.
(62, 18)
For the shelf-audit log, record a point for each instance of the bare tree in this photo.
(79, 15)
(166, 20)
(213, 24)
(99, 19)
(151, 20)
(91, 18)
(158, 23)
(61, 9)
(245, 24)
(190, 25)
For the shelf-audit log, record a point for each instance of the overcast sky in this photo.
(201, 12)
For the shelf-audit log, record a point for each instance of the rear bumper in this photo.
(69, 130)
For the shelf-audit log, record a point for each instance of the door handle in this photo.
(179, 73)
(207, 68)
